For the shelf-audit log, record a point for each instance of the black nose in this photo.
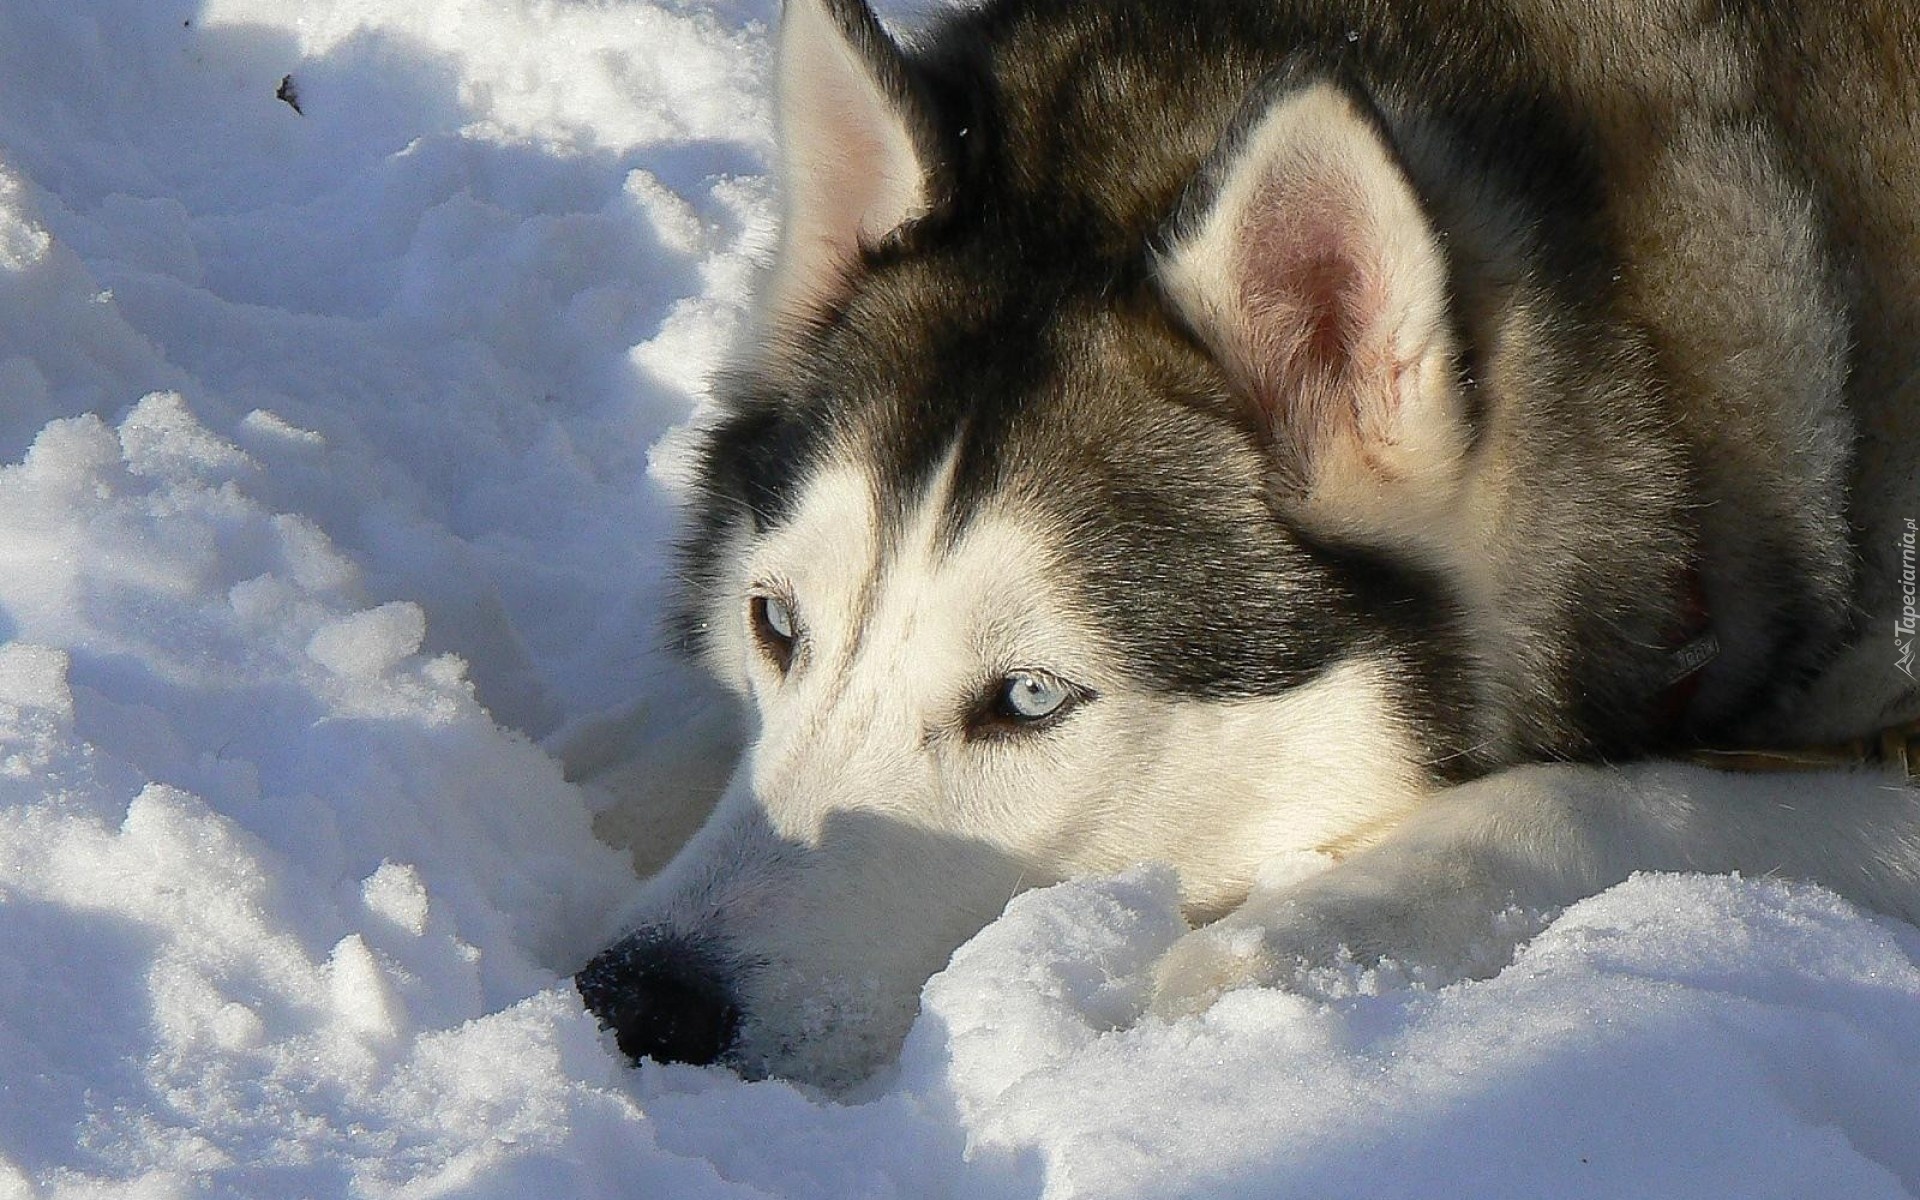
(664, 997)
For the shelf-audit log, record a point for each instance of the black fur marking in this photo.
(752, 464)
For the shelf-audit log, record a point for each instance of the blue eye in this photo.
(1033, 696)
(1025, 701)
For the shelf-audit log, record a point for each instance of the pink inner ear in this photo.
(841, 170)
(1318, 281)
(1313, 296)
(852, 167)
(1327, 284)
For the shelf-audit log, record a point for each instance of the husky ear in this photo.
(857, 147)
(1304, 260)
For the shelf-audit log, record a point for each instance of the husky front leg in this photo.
(1455, 888)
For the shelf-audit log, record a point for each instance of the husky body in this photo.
(1222, 431)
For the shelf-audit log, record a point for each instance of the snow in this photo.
(342, 452)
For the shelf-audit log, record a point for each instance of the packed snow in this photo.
(350, 354)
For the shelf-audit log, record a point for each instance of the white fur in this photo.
(865, 835)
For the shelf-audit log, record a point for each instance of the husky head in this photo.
(1050, 529)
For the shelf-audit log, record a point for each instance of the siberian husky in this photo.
(1213, 431)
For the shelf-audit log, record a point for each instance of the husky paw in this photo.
(1298, 953)
(1329, 944)
(1206, 963)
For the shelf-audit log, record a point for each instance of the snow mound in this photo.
(1675, 1036)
